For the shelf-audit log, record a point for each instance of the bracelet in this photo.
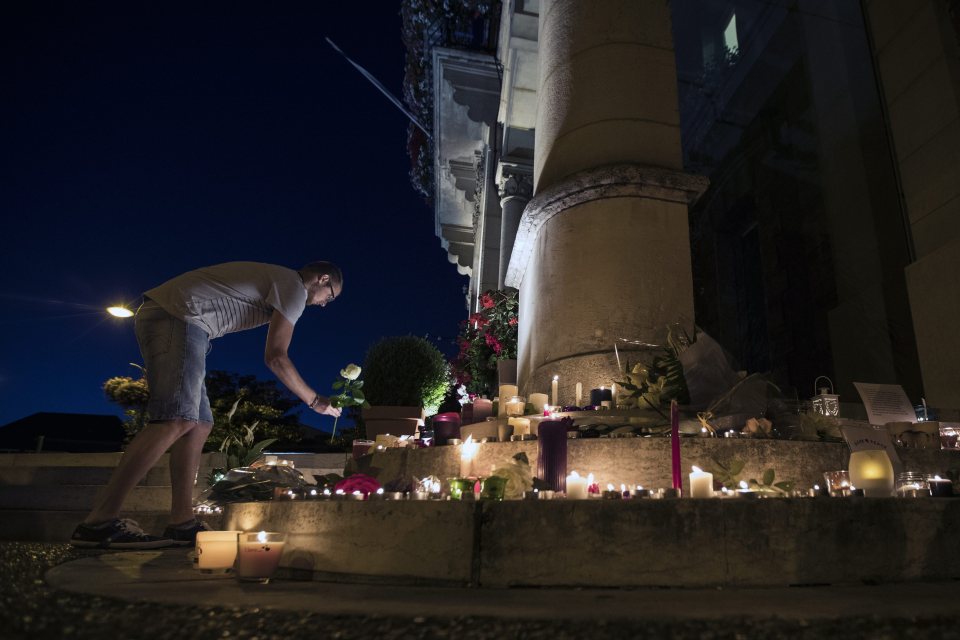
(316, 400)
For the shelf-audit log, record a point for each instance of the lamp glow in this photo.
(119, 312)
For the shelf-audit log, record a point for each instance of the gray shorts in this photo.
(175, 356)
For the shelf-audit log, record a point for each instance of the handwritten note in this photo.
(885, 403)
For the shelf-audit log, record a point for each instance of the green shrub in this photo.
(405, 371)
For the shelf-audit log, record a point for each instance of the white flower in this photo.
(351, 372)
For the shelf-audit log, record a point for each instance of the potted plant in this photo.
(406, 378)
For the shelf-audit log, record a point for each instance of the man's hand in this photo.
(321, 404)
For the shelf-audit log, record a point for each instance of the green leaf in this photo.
(358, 395)
(338, 384)
(736, 467)
(366, 405)
(768, 476)
(785, 486)
(357, 384)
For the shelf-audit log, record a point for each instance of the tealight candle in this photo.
(515, 406)
(701, 483)
(745, 492)
(258, 555)
(940, 487)
(640, 492)
(507, 391)
(216, 550)
(611, 493)
(576, 487)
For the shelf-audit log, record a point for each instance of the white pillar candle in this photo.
(553, 390)
(258, 555)
(579, 394)
(216, 550)
(576, 487)
(614, 393)
(506, 391)
(521, 426)
(701, 484)
(539, 401)
(468, 457)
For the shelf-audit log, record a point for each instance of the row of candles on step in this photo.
(513, 404)
(254, 556)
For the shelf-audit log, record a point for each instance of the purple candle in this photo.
(482, 409)
(552, 454)
(675, 443)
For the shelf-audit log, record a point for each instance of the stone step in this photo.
(70, 497)
(47, 475)
(57, 526)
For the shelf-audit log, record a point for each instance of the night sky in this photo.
(143, 139)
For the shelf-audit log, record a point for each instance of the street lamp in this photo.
(119, 311)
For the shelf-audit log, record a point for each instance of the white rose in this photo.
(351, 372)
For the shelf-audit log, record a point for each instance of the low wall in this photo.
(632, 543)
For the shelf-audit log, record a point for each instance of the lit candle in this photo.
(576, 487)
(872, 471)
(553, 390)
(468, 455)
(940, 487)
(614, 393)
(745, 492)
(701, 483)
(579, 394)
(216, 550)
(258, 555)
(515, 406)
(611, 493)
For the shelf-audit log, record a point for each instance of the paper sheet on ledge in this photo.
(885, 403)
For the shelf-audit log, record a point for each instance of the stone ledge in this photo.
(597, 543)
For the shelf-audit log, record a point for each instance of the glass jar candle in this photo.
(911, 484)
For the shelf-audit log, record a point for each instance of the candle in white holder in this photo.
(258, 555)
(579, 394)
(515, 406)
(701, 484)
(576, 487)
(216, 550)
(553, 390)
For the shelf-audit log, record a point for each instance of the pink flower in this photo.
(512, 321)
(487, 301)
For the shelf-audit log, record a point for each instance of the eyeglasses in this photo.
(332, 295)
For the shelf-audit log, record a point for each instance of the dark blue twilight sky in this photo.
(142, 139)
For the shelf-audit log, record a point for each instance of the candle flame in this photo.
(623, 487)
(555, 378)
(574, 475)
(380, 491)
(697, 470)
(590, 479)
(609, 486)
(816, 487)
(744, 485)
(937, 478)
(262, 537)
(313, 492)
(470, 448)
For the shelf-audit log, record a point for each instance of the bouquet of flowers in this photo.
(485, 337)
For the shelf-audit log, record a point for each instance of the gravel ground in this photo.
(31, 609)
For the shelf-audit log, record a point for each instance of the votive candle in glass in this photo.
(216, 550)
(258, 555)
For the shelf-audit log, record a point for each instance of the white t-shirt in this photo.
(232, 296)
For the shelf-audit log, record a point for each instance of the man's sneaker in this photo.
(121, 533)
(184, 535)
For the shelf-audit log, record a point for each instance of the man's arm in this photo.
(275, 356)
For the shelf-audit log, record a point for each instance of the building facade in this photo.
(785, 174)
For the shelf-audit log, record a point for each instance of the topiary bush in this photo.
(405, 371)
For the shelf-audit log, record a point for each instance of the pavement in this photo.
(54, 591)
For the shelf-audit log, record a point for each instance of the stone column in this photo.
(515, 184)
(602, 251)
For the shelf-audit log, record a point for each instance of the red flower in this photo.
(512, 321)
(480, 320)
(358, 482)
(487, 301)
